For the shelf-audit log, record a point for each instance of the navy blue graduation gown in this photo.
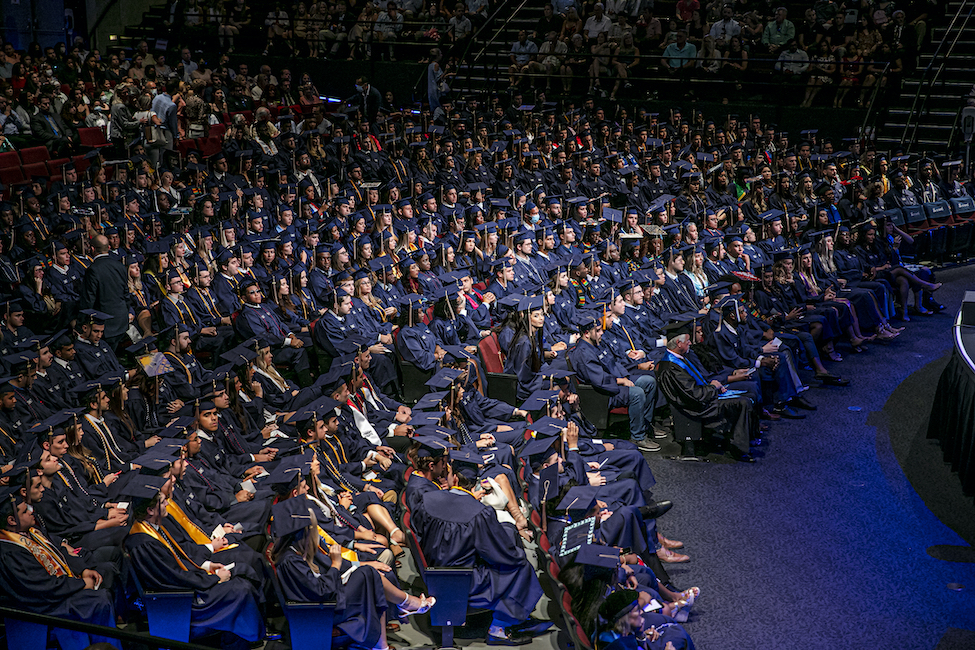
(61, 596)
(461, 531)
(360, 602)
(229, 606)
(95, 360)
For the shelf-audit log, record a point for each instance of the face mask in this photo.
(462, 312)
(535, 218)
(30, 509)
(358, 88)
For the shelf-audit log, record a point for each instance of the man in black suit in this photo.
(105, 288)
(49, 129)
(367, 100)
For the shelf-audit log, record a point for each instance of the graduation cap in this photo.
(540, 399)
(466, 463)
(678, 327)
(45, 429)
(291, 515)
(290, 471)
(538, 450)
(455, 354)
(430, 447)
(154, 462)
(92, 316)
(425, 418)
(599, 556)
(618, 604)
(431, 400)
(578, 501)
(142, 488)
(444, 378)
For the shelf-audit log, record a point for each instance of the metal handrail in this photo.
(873, 101)
(496, 31)
(99, 630)
(469, 65)
(912, 119)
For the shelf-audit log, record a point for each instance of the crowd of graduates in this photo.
(204, 355)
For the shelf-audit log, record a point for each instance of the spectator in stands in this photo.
(552, 53)
(679, 56)
(336, 29)
(48, 127)
(549, 22)
(388, 28)
(460, 28)
(278, 28)
(722, 30)
(778, 32)
(596, 24)
(793, 62)
(523, 57)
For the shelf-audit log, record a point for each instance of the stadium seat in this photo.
(92, 137)
(9, 159)
(81, 163)
(184, 145)
(168, 611)
(56, 167)
(500, 385)
(12, 176)
(449, 585)
(32, 155)
(36, 169)
(310, 625)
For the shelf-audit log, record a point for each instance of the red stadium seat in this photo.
(56, 167)
(92, 137)
(34, 155)
(9, 159)
(12, 176)
(81, 163)
(36, 169)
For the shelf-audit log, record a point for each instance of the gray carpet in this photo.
(822, 542)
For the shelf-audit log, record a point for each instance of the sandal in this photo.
(834, 356)
(426, 602)
(690, 595)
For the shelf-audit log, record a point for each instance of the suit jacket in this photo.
(106, 289)
(43, 127)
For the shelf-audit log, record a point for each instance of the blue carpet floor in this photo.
(821, 544)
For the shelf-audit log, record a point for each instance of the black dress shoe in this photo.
(833, 380)
(740, 456)
(788, 412)
(531, 627)
(800, 402)
(512, 639)
(658, 509)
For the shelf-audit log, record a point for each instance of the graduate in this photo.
(461, 531)
(38, 571)
(223, 601)
(307, 574)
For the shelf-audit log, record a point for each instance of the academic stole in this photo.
(43, 551)
(141, 527)
(194, 531)
(327, 540)
(172, 356)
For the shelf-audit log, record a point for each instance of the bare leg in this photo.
(380, 516)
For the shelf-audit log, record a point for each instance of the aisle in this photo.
(821, 544)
